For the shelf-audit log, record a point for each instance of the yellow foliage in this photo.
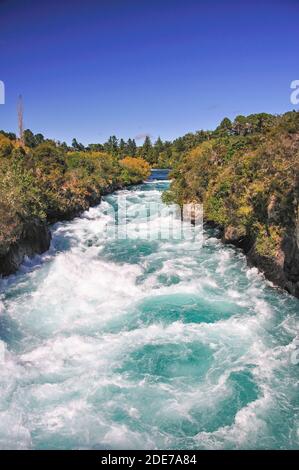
(136, 166)
(5, 146)
(244, 211)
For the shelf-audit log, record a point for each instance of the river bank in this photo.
(246, 176)
(35, 237)
(281, 269)
(48, 183)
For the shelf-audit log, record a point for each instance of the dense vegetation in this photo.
(45, 181)
(247, 177)
(160, 154)
(245, 172)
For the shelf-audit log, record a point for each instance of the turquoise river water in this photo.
(145, 343)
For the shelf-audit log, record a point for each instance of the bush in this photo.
(134, 169)
(246, 180)
(6, 146)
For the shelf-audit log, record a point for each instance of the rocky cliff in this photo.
(282, 268)
(248, 184)
(34, 239)
(34, 236)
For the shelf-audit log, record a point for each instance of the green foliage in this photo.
(10, 135)
(77, 146)
(245, 173)
(134, 169)
(247, 178)
(6, 146)
(31, 140)
(268, 240)
(47, 182)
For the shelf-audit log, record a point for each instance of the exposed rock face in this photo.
(282, 269)
(35, 239)
(290, 248)
(237, 236)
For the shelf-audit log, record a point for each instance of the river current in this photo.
(112, 343)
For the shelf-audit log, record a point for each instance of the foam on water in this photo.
(143, 343)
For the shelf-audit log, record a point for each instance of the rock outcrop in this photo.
(282, 268)
(35, 238)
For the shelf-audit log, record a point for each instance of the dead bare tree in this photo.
(20, 119)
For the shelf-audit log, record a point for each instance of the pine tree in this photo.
(158, 149)
(122, 148)
(147, 149)
(111, 145)
(131, 147)
(77, 146)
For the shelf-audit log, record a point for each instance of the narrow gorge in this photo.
(145, 343)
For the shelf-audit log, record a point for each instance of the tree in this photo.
(21, 119)
(225, 127)
(95, 147)
(122, 148)
(261, 121)
(111, 145)
(240, 125)
(147, 150)
(77, 146)
(6, 146)
(131, 147)
(29, 139)
(10, 135)
(63, 146)
(159, 145)
(157, 150)
(39, 139)
(135, 169)
(50, 158)
(178, 144)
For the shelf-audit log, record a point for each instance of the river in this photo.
(145, 343)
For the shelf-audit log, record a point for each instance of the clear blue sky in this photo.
(89, 69)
